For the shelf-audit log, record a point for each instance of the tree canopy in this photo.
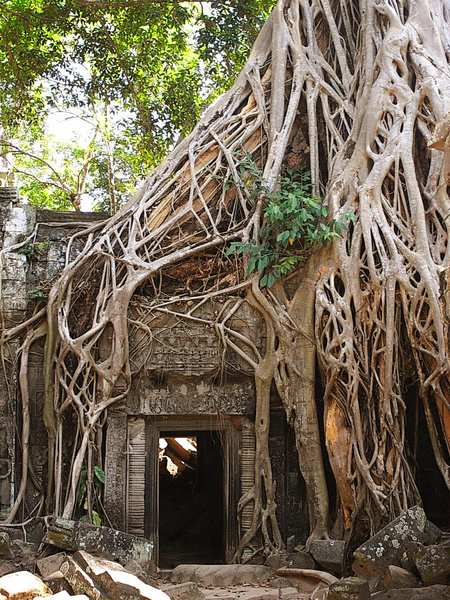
(155, 65)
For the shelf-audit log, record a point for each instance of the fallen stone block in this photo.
(329, 554)
(301, 560)
(277, 560)
(214, 575)
(407, 555)
(80, 582)
(57, 583)
(183, 573)
(432, 532)
(21, 549)
(6, 566)
(184, 591)
(307, 580)
(351, 588)
(397, 578)
(434, 592)
(433, 565)
(114, 582)
(23, 586)
(374, 556)
(251, 574)
(100, 541)
(51, 564)
(135, 569)
(5, 545)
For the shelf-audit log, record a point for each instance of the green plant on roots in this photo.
(294, 221)
(82, 500)
(34, 250)
(38, 296)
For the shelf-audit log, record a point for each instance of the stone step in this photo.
(221, 575)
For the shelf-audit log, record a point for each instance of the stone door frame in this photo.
(231, 445)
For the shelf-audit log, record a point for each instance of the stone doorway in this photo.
(191, 498)
(193, 519)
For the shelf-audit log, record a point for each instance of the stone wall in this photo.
(25, 278)
(177, 383)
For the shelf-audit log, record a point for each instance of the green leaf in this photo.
(283, 236)
(270, 280)
(251, 265)
(96, 520)
(99, 474)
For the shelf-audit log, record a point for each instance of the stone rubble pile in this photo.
(79, 577)
(407, 560)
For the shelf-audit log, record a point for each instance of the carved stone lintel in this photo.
(235, 399)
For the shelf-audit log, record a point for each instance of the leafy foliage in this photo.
(99, 480)
(294, 221)
(38, 296)
(34, 251)
(156, 65)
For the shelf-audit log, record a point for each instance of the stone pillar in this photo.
(15, 224)
(115, 469)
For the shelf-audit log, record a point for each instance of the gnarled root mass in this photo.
(353, 90)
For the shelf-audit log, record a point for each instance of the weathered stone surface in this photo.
(5, 545)
(307, 580)
(277, 560)
(114, 582)
(435, 592)
(301, 560)
(397, 578)
(257, 593)
(433, 565)
(184, 591)
(23, 586)
(100, 541)
(20, 549)
(221, 575)
(432, 532)
(329, 554)
(407, 555)
(116, 468)
(351, 588)
(80, 582)
(51, 564)
(374, 556)
(135, 569)
(6, 566)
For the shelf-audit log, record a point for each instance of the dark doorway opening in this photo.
(191, 498)
(433, 490)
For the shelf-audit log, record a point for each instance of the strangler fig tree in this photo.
(351, 92)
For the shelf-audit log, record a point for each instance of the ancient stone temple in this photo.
(179, 452)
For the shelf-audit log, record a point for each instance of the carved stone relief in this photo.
(186, 347)
(193, 398)
(188, 350)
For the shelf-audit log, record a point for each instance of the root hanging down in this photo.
(353, 90)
